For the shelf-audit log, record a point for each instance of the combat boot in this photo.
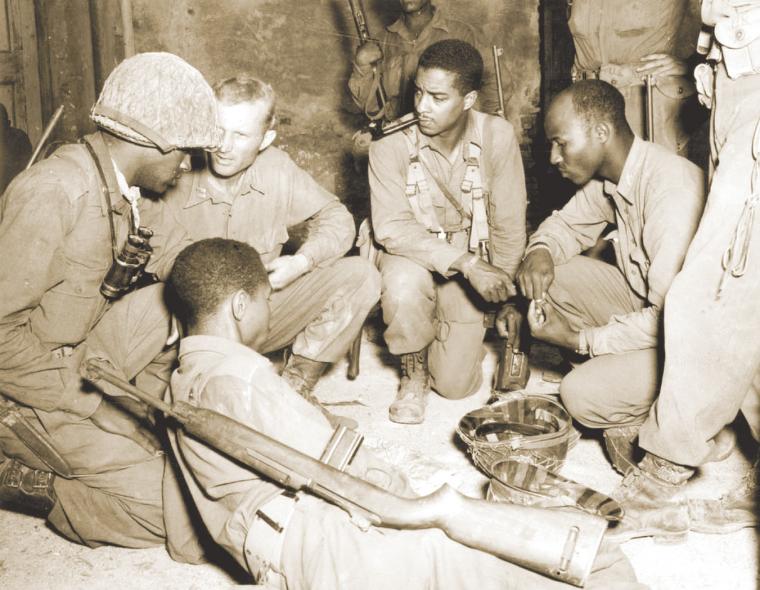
(26, 489)
(620, 442)
(302, 375)
(652, 501)
(733, 511)
(409, 405)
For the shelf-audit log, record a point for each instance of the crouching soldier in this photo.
(252, 191)
(448, 213)
(74, 234)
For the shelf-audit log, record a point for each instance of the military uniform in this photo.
(711, 321)
(56, 241)
(318, 546)
(656, 206)
(610, 38)
(401, 52)
(321, 311)
(421, 232)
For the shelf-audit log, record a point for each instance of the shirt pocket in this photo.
(68, 311)
(633, 18)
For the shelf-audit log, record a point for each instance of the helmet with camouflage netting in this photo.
(158, 100)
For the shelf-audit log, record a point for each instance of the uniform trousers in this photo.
(712, 343)
(114, 496)
(609, 389)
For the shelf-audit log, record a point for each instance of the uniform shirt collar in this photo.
(471, 135)
(632, 170)
(215, 345)
(207, 187)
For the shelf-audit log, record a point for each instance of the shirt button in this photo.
(613, 82)
(680, 90)
(739, 34)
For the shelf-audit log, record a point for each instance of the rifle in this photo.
(562, 544)
(649, 84)
(498, 52)
(45, 134)
(360, 20)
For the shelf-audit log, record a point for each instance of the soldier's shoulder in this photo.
(65, 175)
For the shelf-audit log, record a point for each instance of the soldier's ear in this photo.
(469, 99)
(602, 131)
(239, 303)
(269, 137)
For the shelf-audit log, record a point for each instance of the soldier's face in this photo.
(413, 5)
(575, 149)
(437, 102)
(162, 171)
(244, 128)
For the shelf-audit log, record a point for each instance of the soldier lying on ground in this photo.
(299, 541)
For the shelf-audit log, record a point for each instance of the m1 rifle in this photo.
(360, 20)
(497, 53)
(561, 544)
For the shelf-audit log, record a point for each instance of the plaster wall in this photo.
(304, 49)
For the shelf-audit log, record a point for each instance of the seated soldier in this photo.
(252, 191)
(610, 313)
(64, 226)
(431, 188)
(298, 540)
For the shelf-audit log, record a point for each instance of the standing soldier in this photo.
(712, 362)
(444, 191)
(393, 62)
(621, 42)
(74, 239)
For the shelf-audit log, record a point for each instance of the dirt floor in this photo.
(33, 557)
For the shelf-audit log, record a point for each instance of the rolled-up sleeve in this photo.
(508, 200)
(671, 215)
(577, 226)
(393, 222)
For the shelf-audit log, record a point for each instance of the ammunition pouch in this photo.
(739, 38)
(25, 488)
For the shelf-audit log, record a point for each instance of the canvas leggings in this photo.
(609, 389)
(114, 496)
(712, 344)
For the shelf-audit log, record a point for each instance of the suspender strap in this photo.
(417, 190)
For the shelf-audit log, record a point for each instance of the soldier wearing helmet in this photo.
(75, 232)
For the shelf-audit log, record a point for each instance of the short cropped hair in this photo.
(245, 88)
(459, 58)
(209, 271)
(596, 101)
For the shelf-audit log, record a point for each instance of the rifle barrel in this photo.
(497, 51)
(45, 134)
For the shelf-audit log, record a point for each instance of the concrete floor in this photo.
(33, 557)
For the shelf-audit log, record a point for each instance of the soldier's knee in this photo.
(406, 286)
(361, 276)
(452, 381)
(577, 396)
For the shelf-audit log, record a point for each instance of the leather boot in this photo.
(651, 498)
(733, 511)
(26, 489)
(409, 405)
(302, 375)
(620, 442)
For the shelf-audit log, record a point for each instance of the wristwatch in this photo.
(582, 343)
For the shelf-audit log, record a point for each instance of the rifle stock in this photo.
(560, 544)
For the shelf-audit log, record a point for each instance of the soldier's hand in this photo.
(368, 53)
(508, 323)
(116, 420)
(550, 326)
(536, 274)
(286, 269)
(493, 284)
(662, 64)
